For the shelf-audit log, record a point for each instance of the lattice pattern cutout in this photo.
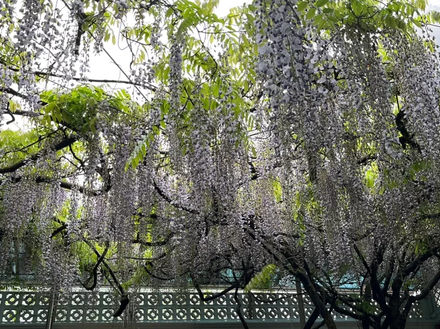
(437, 296)
(23, 307)
(416, 312)
(28, 307)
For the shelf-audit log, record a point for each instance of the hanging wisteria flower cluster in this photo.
(302, 148)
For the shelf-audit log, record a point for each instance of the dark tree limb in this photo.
(213, 296)
(123, 305)
(53, 75)
(112, 274)
(149, 264)
(428, 288)
(254, 172)
(419, 260)
(12, 92)
(63, 184)
(312, 319)
(238, 310)
(26, 113)
(168, 199)
(75, 156)
(94, 274)
(388, 277)
(405, 139)
(64, 143)
(312, 289)
(273, 300)
(153, 244)
(319, 325)
(58, 230)
(40, 138)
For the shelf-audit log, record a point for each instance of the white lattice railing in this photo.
(436, 294)
(30, 307)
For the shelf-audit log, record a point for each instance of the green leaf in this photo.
(12, 106)
(318, 19)
(311, 13)
(420, 4)
(434, 16)
(302, 5)
(262, 280)
(169, 12)
(156, 130)
(357, 7)
(278, 190)
(321, 3)
(417, 23)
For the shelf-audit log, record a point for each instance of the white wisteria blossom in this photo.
(290, 141)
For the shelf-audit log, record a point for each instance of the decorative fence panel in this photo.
(31, 307)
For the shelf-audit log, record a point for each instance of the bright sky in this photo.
(102, 67)
(225, 5)
(433, 3)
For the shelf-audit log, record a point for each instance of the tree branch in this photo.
(428, 288)
(419, 260)
(53, 75)
(168, 199)
(64, 143)
(312, 319)
(112, 274)
(238, 310)
(153, 244)
(94, 274)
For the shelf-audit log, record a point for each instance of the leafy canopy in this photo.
(289, 138)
